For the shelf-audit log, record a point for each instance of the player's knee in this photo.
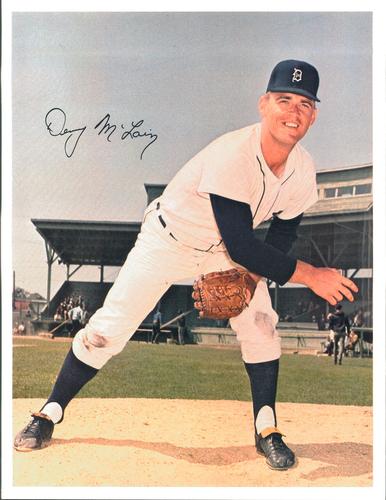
(96, 341)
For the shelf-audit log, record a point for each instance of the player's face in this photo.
(286, 117)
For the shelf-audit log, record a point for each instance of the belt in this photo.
(163, 223)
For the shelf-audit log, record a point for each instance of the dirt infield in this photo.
(153, 442)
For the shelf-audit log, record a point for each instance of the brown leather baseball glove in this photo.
(223, 294)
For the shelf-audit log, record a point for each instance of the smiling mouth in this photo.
(291, 125)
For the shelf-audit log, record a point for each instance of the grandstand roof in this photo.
(341, 206)
(88, 242)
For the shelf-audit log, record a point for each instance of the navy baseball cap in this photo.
(296, 77)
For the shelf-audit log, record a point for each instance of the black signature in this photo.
(108, 130)
(56, 118)
(55, 123)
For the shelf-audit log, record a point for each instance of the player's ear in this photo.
(262, 103)
(314, 116)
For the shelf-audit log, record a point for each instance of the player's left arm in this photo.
(234, 220)
(235, 224)
(282, 233)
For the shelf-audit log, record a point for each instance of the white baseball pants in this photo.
(152, 266)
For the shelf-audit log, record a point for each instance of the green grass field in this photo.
(192, 372)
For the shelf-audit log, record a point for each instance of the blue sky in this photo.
(183, 77)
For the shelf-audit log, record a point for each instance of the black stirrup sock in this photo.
(73, 375)
(263, 378)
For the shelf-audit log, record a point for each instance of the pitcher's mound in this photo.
(166, 442)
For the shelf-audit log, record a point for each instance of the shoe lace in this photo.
(33, 426)
(277, 442)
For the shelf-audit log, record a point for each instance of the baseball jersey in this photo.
(233, 166)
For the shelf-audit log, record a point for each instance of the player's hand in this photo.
(326, 282)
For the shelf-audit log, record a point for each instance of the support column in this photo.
(49, 282)
(325, 264)
(51, 258)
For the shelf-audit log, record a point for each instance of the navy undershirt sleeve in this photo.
(282, 233)
(234, 220)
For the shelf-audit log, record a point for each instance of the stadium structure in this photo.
(335, 232)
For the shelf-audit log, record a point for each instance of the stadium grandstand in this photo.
(335, 232)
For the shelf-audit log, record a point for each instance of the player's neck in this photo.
(275, 154)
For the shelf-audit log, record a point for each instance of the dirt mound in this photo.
(153, 442)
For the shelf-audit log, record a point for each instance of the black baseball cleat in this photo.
(278, 455)
(36, 435)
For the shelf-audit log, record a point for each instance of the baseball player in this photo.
(339, 326)
(204, 222)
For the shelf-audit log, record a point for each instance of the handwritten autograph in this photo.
(56, 119)
(108, 129)
(55, 123)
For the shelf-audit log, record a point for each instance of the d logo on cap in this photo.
(297, 75)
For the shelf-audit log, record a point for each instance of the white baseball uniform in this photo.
(179, 239)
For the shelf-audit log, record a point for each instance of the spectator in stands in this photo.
(156, 326)
(353, 337)
(352, 341)
(16, 328)
(64, 307)
(75, 315)
(358, 318)
(86, 314)
(339, 324)
(81, 301)
(21, 328)
(329, 344)
(59, 313)
(70, 304)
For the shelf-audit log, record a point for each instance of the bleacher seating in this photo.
(93, 293)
